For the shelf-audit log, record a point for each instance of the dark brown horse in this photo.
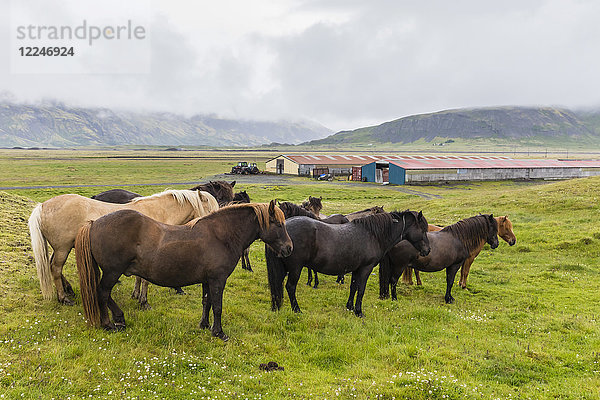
(127, 242)
(505, 231)
(242, 198)
(294, 210)
(117, 196)
(221, 190)
(450, 247)
(313, 204)
(338, 249)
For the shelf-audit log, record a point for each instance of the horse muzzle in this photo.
(512, 242)
(286, 251)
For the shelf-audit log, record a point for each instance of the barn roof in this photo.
(481, 162)
(362, 159)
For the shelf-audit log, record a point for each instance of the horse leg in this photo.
(143, 299)
(136, 289)
(204, 322)
(393, 286)
(216, 299)
(464, 272)
(316, 280)
(246, 260)
(105, 286)
(340, 279)
(59, 257)
(117, 314)
(353, 287)
(67, 286)
(310, 277)
(418, 276)
(290, 286)
(361, 284)
(450, 275)
(407, 276)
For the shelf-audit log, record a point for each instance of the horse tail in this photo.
(276, 274)
(39, 245)
(385, 275)
(89, 275)
(407, 276)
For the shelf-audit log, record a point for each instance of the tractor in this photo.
(245, 168)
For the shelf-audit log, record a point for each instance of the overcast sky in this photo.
(342, 63)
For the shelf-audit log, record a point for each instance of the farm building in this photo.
(316, 164)
(420, 169)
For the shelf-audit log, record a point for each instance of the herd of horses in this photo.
(178, 238)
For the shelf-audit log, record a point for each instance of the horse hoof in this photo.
(67, 302)
(145, 306)
(69, 291)
(359, 314)
(221, 335)
(119, 326)
(449, 300)
(179, 292)
(204, 325)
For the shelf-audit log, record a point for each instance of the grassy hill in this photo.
(58, 125)
(537, 125)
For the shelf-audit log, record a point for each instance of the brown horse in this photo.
(127, 242)
(364, 213)
(450, 247)
(505, 231)
(57, 220)
(313, 204)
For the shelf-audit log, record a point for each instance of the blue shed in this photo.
(384, 171)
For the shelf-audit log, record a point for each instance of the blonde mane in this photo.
(195, 198)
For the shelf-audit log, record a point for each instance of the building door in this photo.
(378, 175)
(279, 167)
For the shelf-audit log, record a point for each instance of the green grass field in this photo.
(527, 327)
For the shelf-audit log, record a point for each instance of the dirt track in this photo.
(262, 179)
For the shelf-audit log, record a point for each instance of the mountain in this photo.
(57, 125)
(504, 123)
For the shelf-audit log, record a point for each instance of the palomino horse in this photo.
(57, 220)
(450, 247)
(127, 242)
(338, 249)
(505, 231)
(221, 190)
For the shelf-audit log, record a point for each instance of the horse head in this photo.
(492, 238)
(414, 230)
(274, 233)
(505, 230)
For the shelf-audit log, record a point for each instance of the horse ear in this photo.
(320, 197)
(272, 205)
(232, 183)
(491, 217)
(420, 214)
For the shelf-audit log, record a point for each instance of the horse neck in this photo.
(166, 209)
(237, 227)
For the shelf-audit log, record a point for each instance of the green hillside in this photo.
(58, 125)
(544, 125)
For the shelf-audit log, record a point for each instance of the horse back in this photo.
(446, 250)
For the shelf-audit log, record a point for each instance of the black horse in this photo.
(450, 247)
(118, 196)
(221, 190)
(338, 249)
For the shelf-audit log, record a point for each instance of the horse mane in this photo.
(470, 231)
(313, 202)
(374, 208)
(260, 209)
(294, 210)
(219, 189)
(194, 198)
(379, 225)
